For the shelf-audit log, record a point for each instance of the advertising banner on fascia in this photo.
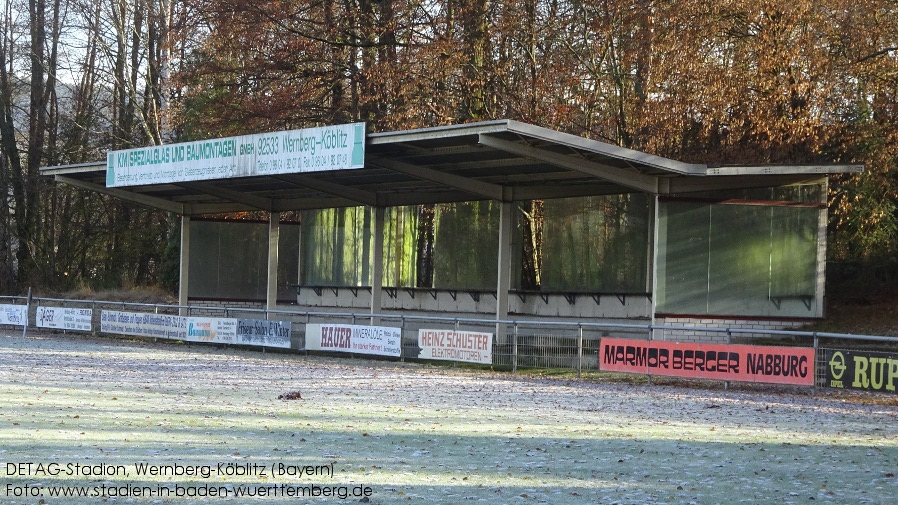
(263, 332)
(65, 318)
(215, 330)
(338, 147)
(139, 324)
(15, 315)
(358, 339)
(469, 346)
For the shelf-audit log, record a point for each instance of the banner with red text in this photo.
(470, 346)
(358, 339)
(746, 363)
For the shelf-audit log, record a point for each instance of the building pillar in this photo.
(503, 279)
(822, 218)
(377, 264)
(274, 233)
(184, 265)
(657, 237)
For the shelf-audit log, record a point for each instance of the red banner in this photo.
(746, 363)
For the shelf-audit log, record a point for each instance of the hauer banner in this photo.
(378, 340)
(746, 363)
(868, 371)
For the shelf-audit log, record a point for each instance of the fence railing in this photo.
(517, 343)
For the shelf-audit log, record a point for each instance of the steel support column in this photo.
(274, 233)
(185, 265)
(377, 264)
(503, 279)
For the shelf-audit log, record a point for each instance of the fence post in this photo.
(648, 376)
(816, 357)
(64, 331)
(726, 384)
(579, 351)
(401, 336)
(514, 349)
(27, 313)
(454, 362)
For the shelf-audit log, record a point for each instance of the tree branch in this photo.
(877, 54)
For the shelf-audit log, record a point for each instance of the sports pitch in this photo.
(119, 421)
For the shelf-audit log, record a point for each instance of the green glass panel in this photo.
(739, 263)
(683, 258)
(466, 245)
(737, 260)
(337, 247)
(596, 244)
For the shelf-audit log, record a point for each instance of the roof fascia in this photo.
(605, 149)
(147, 201)
(438, 132)
(627, 178)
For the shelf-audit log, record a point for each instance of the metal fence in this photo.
(518, 343)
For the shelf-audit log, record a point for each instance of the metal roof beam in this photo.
(314, 203)
(483, 189)
(634, 180)
(330, 188)
(547, 192)
(449, 196)
(218, 208)
(140, 199)
(246, 199)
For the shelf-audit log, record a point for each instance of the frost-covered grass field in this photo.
(387, 433)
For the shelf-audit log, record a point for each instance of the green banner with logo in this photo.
(867, 371)
(338, 147)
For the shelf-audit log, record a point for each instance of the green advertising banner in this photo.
(867, 371)
(338, 147)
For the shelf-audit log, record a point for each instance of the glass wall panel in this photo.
(683, 257)
(739, 262)
(337, 247)
(466, 241)
(793, 258)
(288, 260)
(595, 244)
(400, 244)
(229, 260)
(737, 259)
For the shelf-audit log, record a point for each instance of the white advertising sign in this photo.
(13, 314)
(139, 324)
(211, 330)
(336, 147)
(264, 333)
(65, 318)
(379, 340)
(470, 346)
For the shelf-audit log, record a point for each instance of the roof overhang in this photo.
(498, 160)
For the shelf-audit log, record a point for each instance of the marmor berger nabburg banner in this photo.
(746, 363)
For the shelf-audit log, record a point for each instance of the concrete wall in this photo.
(480, 303)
